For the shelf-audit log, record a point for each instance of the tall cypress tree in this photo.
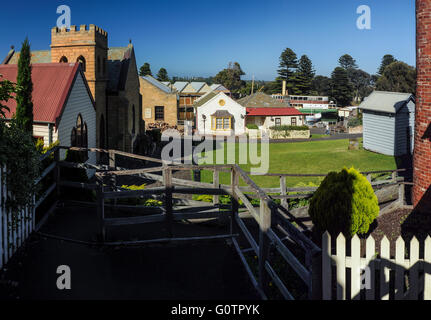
(342, 89)
(24, 109)
(305, 75)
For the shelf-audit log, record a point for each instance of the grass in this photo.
(311, 157)
(319, 136)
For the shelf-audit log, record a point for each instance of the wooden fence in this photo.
(16, 226)
(375, 276)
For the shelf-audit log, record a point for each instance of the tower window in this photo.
(81, 60)
(63, 59)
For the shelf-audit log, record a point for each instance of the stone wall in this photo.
(292, 134)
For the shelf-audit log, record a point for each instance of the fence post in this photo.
(216, 183)
(283, 192)
(167, 180)
(234, 199)
(112, 159)
(326, 267)
(265, 224)
(316, 275)
(101, 209)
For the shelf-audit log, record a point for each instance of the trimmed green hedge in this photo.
(344, 202)
(289, 128)
(252, 126)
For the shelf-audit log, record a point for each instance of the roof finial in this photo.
(12, 47)
(130, 41)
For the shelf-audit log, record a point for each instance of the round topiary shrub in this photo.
(344, 202)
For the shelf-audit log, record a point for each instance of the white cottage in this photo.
(218, 114)
(63, 107)
(388, 122)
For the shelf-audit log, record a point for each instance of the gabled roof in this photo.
(180, 85)
(205, 98)
(52, 83)
(157, 84)
(222, 113)
(197, 85)
(118, 67)
(385, 101)
(261, 100)
(38, 56)
(218, 87)
(288, 111)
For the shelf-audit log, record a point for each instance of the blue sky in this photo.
(199, 38)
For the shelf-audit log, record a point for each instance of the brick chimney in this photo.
(422, 152)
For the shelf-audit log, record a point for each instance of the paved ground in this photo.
(204, 270)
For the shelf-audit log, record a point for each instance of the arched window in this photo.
(82, 61)
(63, 59)
(73, 138)
(84, 136)
(79, 129)
(133, 118)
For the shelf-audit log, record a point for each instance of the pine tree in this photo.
(145, 70)
(162, 75)
(305, 75)
(24, 109)
(342, 90)
(386, 60)
(347, 62)
(287, 70)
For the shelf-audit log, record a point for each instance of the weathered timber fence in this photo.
(274, 228)
(372, 275)
(16, 226)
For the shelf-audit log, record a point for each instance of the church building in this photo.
(112, 78)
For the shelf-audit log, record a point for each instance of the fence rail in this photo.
(371, 276)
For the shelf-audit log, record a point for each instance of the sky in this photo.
(199, 38)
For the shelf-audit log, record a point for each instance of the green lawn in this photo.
(312, 157)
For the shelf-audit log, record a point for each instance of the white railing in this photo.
(376, 275)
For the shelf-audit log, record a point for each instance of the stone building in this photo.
(159, 102)
(112, 77)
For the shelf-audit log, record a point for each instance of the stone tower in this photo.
(422, 153)
(88, 45)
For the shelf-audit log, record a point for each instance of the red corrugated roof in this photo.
(51, 86)
(273, 112)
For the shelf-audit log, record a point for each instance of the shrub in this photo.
(354, 122)
(344, 202)
(252, 126)
(289, 128)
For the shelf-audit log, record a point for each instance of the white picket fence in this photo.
(13, 231)
(377, 277)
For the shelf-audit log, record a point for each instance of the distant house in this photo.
(63, 107)
(219, 114)
(388, 122)
(266, 118)
(265, 111)
(159, 102)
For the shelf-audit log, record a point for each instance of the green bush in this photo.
(252, 126)
(344, 202)
(289, 128)
(354, 122)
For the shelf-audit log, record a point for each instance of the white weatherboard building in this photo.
(388, 122)
(63, 107)
(218, 114)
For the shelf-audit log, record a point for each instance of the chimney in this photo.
(422, 146)
(283, 92)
